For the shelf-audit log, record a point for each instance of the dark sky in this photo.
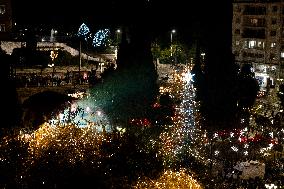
(208, 18)
(154, 12)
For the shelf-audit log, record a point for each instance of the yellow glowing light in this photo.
(170, 180)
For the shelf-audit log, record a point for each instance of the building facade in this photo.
(5, 19)
(258, 37)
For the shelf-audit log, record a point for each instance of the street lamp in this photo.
(172, 32)
(203, 55)
(118, 31)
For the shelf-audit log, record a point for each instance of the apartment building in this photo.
(5, 19)
(258, 37)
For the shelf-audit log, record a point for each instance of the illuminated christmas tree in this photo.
(84, 31)
(101, 38)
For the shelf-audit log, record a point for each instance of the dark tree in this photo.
(11, 114)
(199, 77)
(28, 57)
(248, 87)
(218, 93)
(130, 90)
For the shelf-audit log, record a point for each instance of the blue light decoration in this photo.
(101, 38)
(84, 31)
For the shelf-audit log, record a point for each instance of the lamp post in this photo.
(203, 57)
(118, 31)
(172, 32)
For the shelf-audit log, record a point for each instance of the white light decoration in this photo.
(99, 113)
(101, 38)
(235, 149)
(83, 31)
(270, 186)
(188, 77)
(73, 108)
(216, 152)
(215, 135)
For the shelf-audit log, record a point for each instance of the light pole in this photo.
(203, 56)
(118, 31)
(172, 32)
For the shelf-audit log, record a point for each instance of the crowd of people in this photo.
(55, 79)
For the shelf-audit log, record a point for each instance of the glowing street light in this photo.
(172, 32)
(118, 31)
(203, 55)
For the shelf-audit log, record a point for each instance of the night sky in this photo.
(211, 20)
(153, 12)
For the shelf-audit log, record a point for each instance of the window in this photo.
(260, 44)
(252, 55)
(254, 10)
(237, 43)
(238, 20)
(245, 44)
(238, 8)
(274, 9)
(254, 21)
(254, 33)
(2, 27)
(282, 54)
(237, 31)
(273, 21)
(252, 44)
(273, 33)
(272, 56)
(273, 44)
(2, 9)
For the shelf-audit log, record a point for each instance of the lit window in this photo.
(260, 44)
(282, 54)
(252, 44)
(2, 9)
(254, 21)
(245, 44)
(237, 43)
(273, 44)
(2, 27)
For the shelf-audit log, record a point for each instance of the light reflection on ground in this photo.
(83, 113)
